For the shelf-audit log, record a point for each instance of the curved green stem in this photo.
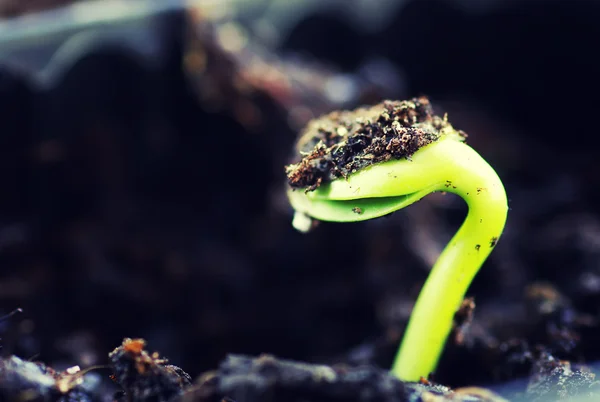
(446, 165)
(477, 183)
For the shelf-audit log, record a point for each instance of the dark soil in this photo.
(343, 142)
(147, 200)
(147, 377)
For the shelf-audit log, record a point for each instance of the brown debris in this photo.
(146, 376)
(143, 361)
(134, 346)
(463, 319)
(554, 379)
(342, 142)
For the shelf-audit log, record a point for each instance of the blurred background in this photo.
(142, 153)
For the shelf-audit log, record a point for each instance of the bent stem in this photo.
(431, 320)
(446, 165)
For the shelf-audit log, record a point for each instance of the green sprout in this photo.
(367, 163)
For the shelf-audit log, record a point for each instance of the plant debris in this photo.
(144, 376)
(342, 142)
(463, 319)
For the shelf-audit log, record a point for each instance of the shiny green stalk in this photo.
(445, 165)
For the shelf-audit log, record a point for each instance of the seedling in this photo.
(370, 162)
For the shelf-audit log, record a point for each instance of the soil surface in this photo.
(139, 201)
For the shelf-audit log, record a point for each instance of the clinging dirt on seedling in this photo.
(342, 142)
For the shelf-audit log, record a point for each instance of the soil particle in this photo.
(463, 319)
(144, 376)
(342, 142)
(553, 379)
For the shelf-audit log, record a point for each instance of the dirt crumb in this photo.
(343, 142)
(554, 379)
(463, 319)
(146, 376)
